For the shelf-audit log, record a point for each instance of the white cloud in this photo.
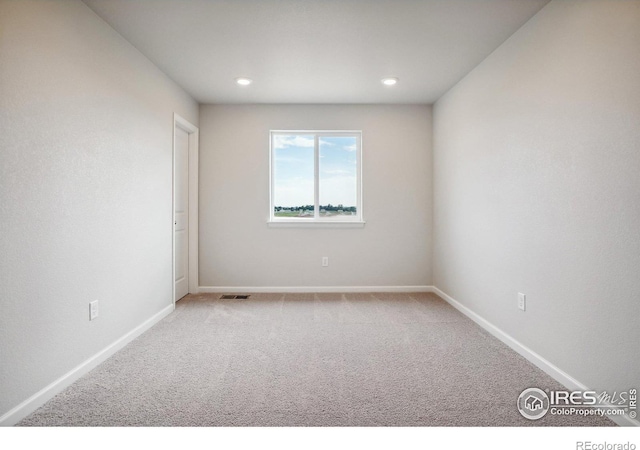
(289, 159)
(325, 143)
(337, 172)
(289, 140)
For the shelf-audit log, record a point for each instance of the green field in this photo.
(289, 214)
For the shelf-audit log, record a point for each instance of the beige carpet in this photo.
(307, 360)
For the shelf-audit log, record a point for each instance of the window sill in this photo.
(315, 224)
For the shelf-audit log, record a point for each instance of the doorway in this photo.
(185, 208)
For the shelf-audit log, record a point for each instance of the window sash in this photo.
(317, 136)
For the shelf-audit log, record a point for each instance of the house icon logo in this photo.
(533, 403)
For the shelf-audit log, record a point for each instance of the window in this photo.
(316, 178)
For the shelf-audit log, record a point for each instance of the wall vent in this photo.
(233, 297)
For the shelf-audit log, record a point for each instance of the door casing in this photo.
(193, 132)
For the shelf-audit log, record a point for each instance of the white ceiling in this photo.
(316, 51)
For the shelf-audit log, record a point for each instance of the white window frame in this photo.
(356, 221)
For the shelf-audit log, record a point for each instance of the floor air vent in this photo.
(233, 297)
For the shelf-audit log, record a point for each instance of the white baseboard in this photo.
(298, 289)
(25, 408)
(550, 369)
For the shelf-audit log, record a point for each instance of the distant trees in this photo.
(339, 207)
(293, 208)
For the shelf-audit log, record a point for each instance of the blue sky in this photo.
(294, 170)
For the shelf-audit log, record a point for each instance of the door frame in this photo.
(193, 132)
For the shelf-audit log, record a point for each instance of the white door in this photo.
(181, 212)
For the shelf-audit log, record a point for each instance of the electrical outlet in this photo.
(93, 310)
(522, 301)
(325, 261)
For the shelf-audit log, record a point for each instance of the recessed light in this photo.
(244, 81)
(389, 81)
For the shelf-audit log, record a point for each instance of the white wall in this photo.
(85, 190)
(537, 189)
(237, 248)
